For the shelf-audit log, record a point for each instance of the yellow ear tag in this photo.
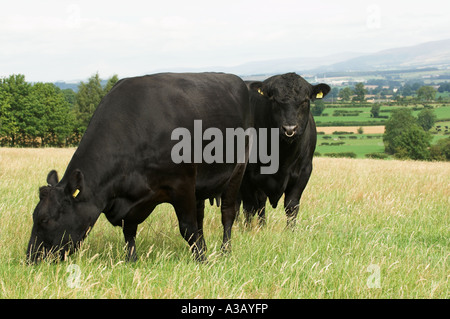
(319, 95)
(260, 92)
(75, 194)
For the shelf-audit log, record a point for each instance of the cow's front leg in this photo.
(200, 216)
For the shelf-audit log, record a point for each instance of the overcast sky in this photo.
(51, 40)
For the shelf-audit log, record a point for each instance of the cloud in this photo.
(72, 39)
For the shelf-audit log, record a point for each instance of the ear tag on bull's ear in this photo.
(75, 193)
(319, 95)
(260, 92)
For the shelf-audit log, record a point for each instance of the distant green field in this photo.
(442, 113)
(363, 118)
(361, 145)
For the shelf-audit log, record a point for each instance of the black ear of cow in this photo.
(320, 90)
(52, 178)
(76, 183)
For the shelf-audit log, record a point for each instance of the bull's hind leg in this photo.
(257, 205)
(262, 198)
(186, 210)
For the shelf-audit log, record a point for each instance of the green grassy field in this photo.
(360, 144)
(366, 229)
(442, 112)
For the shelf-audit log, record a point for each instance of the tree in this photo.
(444, 87)
(56, 122)
(42, 114)
(15, 109)
(70, 96)
(404, 138)
(426, 119)
(7, 121)
(345, 94)
(360, 92)
(375, 111)
(426, 93)
(33, 115)
(407, 90)
(87, 99)
(399, 121)
(317, 107)
(413, 143)
(441, 150)
(111, 82)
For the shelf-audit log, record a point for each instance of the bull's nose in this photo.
(290, 130)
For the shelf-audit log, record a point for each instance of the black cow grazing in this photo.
(123, 165)
(282, 101)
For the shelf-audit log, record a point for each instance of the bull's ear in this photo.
(76, 183)
(319, 91)
(52, 178)
(256, 87)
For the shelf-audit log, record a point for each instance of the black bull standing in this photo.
(123, 164)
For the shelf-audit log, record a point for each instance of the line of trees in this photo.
(41, 114)
(416, 91)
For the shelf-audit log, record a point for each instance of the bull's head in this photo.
(289, 96)
(62, 218)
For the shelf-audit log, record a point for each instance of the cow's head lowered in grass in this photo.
(62, 218)
(289, 96)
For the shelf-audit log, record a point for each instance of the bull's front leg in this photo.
(129, 232)
(293, 195)
(291, 207)
(230, 205)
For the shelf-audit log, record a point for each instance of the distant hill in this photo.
(429, 54)
(434, 54)
(269, 67)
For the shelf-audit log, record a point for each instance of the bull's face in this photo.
(61, 219)
(290, 97)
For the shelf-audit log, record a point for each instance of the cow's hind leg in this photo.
(186, 210)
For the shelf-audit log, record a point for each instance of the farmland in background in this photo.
(370, 141)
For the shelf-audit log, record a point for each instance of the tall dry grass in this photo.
(366, 229)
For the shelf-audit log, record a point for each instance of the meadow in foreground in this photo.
(366, 229)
